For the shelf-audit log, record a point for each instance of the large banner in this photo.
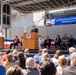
(61, 21)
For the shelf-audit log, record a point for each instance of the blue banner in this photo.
(65, 20)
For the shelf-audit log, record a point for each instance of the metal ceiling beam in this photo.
(37, 7)
(47, 5)
(30, 5)
(71, 3)
(33, 7)
(63, 2)
(27, 3)
(41, 5)
(57, 2)
(22, 10)
(19, 9)
(28, 8)
(52, 4)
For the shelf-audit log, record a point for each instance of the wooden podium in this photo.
(1, 42)
(30, 40)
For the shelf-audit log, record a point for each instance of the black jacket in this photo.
(34, 30)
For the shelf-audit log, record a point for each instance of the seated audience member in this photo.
(37, 57)
(55, 58)
(1, 62)
(71, 41)
(15, 43)
(57, 42)
(9, 62)
(14, 70)
(45, 50)
(71, 50)
(30, 70)
(4, 57)
(62, 64)
(47, 42)
(65, 42)
(26, 53)
(15, 55)
(21, 60)
(45, 56)
(34, 29)
(71, 70)
(47, 68)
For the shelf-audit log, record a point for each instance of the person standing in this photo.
(40, 42)
(34, 29)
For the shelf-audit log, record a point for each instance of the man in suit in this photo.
(34, 29)
(71, 70)
(47, 42)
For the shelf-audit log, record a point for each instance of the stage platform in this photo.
(51, 51)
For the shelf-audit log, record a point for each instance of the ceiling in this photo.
(28, 6)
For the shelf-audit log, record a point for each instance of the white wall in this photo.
(52, 31)
(24, 24)
(17, 26)
(36, 18)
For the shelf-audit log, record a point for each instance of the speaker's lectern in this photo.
(1, 42)
(31, 40)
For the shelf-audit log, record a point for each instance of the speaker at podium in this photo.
(30, 40)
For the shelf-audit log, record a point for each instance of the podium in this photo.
(30, 40)
(1, 42)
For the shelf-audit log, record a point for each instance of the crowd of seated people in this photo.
(60, 43)
(18, 63)
(65, 42)
(21, 63)
(44, 43)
